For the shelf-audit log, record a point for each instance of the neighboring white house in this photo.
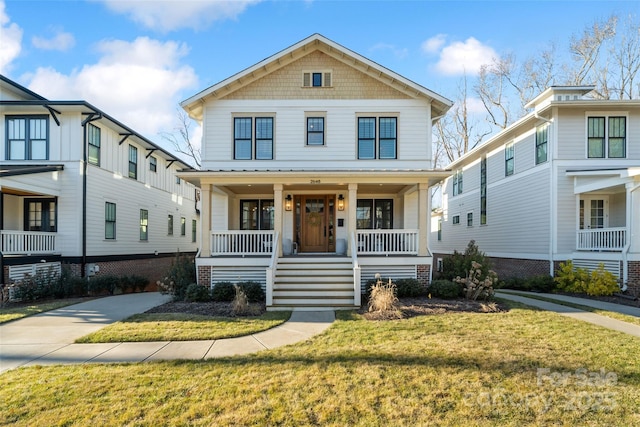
(79, 187)
(316, 172)
(562, 183)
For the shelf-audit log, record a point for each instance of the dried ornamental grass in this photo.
(383, 296)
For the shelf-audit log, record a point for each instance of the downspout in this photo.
(85, 162)
(627, 246)
(1, 228)
(552, 194)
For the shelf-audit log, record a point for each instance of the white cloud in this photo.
(464, 57)
(171, 15)
(397, 52)
(434, 44)
(475, 106)
(138, 83)
(61, 41)
(11, 39)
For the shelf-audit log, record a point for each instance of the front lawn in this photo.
(184, 327)
(13, 311)
(520, 367)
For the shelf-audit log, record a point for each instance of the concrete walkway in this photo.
(47, 338)
(597, 319)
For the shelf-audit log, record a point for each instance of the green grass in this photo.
(184, 327)
(10, 313)
(612, 314)
(446, 370)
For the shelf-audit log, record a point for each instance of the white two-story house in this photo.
(561, 183)
(316, 171)
(78, 187)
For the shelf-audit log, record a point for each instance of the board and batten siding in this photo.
(340, 149)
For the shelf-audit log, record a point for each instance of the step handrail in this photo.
(271, 270)
(357, 300)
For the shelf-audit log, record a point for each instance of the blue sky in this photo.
(137, 60)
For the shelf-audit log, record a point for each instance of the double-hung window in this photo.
(257, 214)
(144, 224)
(606, 137)
(509, 154)
(93, 137)
(542, 143)
(457, 182)
(153, 164)
(253, 138)
(109, 221)
(377, 138)
(27, 138)
(315, 130)
(133, 162)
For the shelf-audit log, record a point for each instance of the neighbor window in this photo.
(194, 229)
(315, 130)
(153, 164)
(374, 213)
(253, 138)
(93, 136)
(257, 214)
(144, 224)
(542, 140)
(470, 219)
(377, 138)
(170, 225)
(509, 152)
(456, 219)
(606, 137)
(439, 230)
(40, 215)
(183, 226)
(457, 182)
(27, 138)
(483, 191)
(133, 162)
(109, 221)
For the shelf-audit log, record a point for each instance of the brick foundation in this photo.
(633, 282)
(423, 272)
(507, 268)
(204, 275)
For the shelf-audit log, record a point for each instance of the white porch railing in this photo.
(387, 242)
(242, 242)
(601, 239)
(271, 270)
(27, 242)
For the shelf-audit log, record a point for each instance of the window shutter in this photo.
(327, 80)
(306, 79)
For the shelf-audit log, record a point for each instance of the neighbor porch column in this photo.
(205, 238)
(277, 215)
(352, 204)
(423, 217)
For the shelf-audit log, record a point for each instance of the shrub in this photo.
(223, 291)
(445, 289)
(383, 296)
(515, 283)
(602, 282)
(197, 293)
(542, 283)
(475, 286)
(180, 275)
(408, 288)
(68, 285)
(571, 279)
(253, 291)
(35, 287)
(459, 264)
(101, 284)
(138, 283)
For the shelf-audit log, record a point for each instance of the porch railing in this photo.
(242, 242)
(601, 239)
(388, 242)
(27, 242)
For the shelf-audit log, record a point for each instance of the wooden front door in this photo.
(316, 223)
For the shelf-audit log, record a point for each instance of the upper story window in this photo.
(27, 138)
(606, 137)
(377, 138)
(457, 182)
(316, 78)
(153, 164)
(253, 138)
(542, 142)
(483, 191)
(315, 130)
(509, 153)
(257, 214)
(93, 136)
(133, 162)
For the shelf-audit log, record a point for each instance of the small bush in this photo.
(103, 284)
(602, 282)
(409, 288)
(542, 283)
(223, 292)
(459, 264)
(383, 296)
(475, 286)
(197, 293)
(253, 291)
(180, 275)
(571, 279)
(445, 289)
(138, 283)
(515, 283)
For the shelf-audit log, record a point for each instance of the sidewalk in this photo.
(604, 321)
(47, 338)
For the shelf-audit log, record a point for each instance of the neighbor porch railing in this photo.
(242, 242)
(601, 239)
(27, 242)
(387, 242)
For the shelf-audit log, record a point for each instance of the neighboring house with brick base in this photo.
(561, 183)
(316, 171)
(78, 187)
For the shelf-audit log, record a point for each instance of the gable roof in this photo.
(193, 105)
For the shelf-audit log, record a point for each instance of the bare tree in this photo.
(182, 141)
(493, 90)
(586, 51)
(625, 53)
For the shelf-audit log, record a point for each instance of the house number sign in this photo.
(315, 181)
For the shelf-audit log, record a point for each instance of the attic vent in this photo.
(316, 79)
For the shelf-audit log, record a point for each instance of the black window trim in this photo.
(28, 151)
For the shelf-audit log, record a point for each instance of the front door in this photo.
(315, 223)
(594, 212)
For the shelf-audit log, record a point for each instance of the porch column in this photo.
(423, 223)
(278, 217)
(205, 221)
(352, 204)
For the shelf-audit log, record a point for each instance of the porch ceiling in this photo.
(301, 188)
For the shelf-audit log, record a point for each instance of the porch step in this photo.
(317, 283)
